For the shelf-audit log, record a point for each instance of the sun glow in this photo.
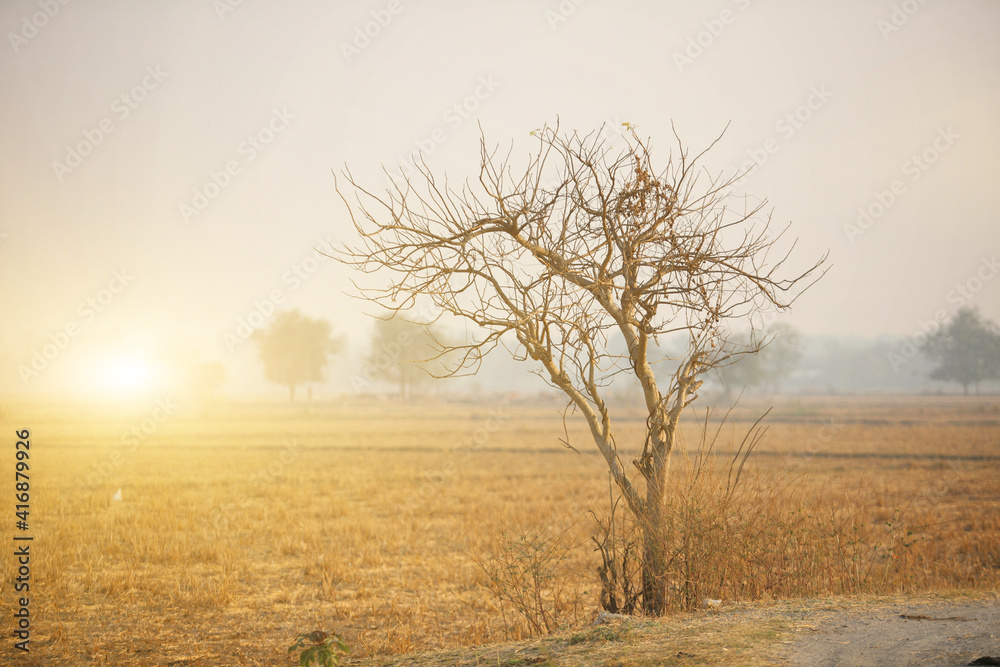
(123, 376)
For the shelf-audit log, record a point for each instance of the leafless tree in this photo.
(583, 243)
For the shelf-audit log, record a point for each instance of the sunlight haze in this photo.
(189, 145)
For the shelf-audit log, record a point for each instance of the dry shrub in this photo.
(529, 571)
(619, 542)
(737, 532)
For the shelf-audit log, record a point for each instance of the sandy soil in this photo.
(936, 633)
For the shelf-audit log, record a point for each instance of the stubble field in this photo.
(240, 526)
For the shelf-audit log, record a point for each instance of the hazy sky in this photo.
(122, 120)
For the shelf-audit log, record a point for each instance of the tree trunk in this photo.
(654, 574)
(654, 527)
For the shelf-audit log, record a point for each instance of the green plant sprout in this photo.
(324, 651)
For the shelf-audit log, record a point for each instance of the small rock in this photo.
(604, 617)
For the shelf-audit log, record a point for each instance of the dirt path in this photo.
(926, 633)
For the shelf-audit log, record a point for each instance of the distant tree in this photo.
(191, 377)
(747, 372)
(295, 349)
(966, 350)
(783, 354)
(779, 355)
(208, 378)
(403, 352)
(856, 364)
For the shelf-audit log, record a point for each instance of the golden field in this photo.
(242, 525)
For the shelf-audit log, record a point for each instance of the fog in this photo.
(166, 168)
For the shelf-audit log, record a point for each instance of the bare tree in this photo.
(582, 242)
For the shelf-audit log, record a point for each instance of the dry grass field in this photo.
(244, 525)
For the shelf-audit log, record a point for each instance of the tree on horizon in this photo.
(966, 350)
(295, 349)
